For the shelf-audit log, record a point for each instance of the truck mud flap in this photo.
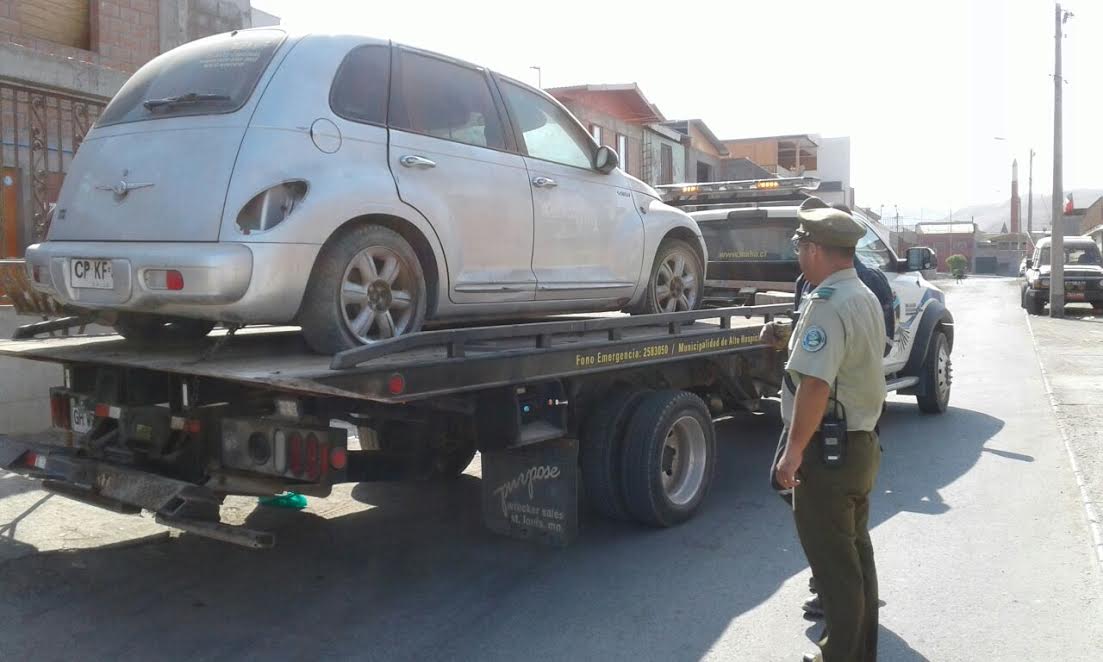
(531, 492)
(175, 503)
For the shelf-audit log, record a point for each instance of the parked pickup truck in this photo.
(1083, 275)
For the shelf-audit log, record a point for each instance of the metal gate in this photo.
(40, 131)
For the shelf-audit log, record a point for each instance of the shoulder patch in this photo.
(814, 339)
(823, 293)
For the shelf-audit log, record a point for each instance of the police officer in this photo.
(835, 390)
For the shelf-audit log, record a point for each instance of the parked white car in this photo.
(356, 188)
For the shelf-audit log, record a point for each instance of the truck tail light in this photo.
(295, 454)
(338, 458)
(313, 458)
(59, 412)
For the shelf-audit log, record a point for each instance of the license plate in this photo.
(81, 418)
(88, 273)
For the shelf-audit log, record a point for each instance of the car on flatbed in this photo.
(354, 187)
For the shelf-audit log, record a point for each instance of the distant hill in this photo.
(992, 217)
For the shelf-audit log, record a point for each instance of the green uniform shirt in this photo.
(840, 338)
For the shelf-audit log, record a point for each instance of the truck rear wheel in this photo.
(669, 458)
(937, 376)
(600, 454)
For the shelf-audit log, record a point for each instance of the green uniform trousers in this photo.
(832, 518)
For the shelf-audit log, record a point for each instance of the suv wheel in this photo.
(677, 279)
(367, 285)
(937, 376)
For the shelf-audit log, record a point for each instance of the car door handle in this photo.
(544, 182)
(411, 161)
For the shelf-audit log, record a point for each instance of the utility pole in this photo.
(1030, 199)
(1057, 238)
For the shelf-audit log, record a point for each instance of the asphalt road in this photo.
(982, 544)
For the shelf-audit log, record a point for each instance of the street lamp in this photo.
(539, 76)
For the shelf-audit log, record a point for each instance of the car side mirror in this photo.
(606, 160)
(1029, 263)
(920, 258)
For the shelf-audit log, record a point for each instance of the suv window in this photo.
(360, 88)
(1076, 255)
(444, 100)
(549, 132)
(872, 251)
(213, 75)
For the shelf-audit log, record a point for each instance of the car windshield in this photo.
(1075, 255)
(213, 75)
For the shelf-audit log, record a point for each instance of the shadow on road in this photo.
(414, 576)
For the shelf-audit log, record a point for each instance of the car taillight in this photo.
(164, 279)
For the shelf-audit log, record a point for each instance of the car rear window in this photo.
(209, 76)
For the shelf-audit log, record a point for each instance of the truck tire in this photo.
(148, 329)
(450, 463)
(600, 453)
(1034, 306)
(367, 285)
(669, 458)
(676, 282)
(937, 375)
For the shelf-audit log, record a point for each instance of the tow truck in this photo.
(617, 408)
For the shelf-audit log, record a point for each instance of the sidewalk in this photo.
(1070, 351)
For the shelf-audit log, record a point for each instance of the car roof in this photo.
(1069, 241)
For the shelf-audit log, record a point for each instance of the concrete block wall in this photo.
(124, 34)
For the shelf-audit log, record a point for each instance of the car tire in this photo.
(1034, 305)
(600, 453)
(937, 376)
(669, 286)
(147, 329)
(363, 268)
(669, 458)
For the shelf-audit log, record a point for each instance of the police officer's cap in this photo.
(823, 224)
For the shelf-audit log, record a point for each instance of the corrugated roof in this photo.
(945, 228)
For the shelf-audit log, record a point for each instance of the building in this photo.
(1002, 253)
(946, 239)
(60, 63)
(809, 155)
(705, 153)
(652, 148)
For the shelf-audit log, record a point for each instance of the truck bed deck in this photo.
(428, 363)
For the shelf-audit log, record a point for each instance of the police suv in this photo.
(748, 226)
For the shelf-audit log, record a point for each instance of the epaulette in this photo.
(823, 293)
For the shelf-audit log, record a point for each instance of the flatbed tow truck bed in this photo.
(175, 428)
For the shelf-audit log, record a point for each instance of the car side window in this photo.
(548, 131)
(359, 90)
(444, 100)
(873, 252)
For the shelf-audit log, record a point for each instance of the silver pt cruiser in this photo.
(353, 187)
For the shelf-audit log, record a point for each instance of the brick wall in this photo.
(123, 33)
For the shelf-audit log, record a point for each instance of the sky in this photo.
(923, 89)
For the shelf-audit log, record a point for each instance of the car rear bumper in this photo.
(213, 273)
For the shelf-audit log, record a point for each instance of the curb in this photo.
(1085, 500)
